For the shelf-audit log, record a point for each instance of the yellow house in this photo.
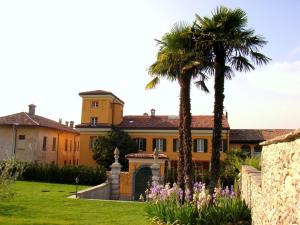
(102, 110)
(33, 138)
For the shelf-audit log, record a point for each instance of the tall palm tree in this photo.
(230, 46)
(176, 61)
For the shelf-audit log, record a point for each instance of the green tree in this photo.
(103, 148)
(10, 170)
(176, 61)
(230, 46)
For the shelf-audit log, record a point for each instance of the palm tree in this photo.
(176, 62)
(230, 46)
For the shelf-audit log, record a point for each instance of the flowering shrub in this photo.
(164, 206)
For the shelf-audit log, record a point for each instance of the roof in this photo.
(145, 155)
(256, 135)
(168, 122)
(24, 119)
(100, 92)
(284, 138)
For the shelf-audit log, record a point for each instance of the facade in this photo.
(102, 111)
(32, 138)
(248, 139)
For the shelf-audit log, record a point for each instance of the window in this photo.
(77, 162)
(200, 145)
(54, 144)
(74, 146)
(175, 145)
(45, 143)
(246, 150)
(95, 104)
(141, 143)
(66, 144)
(65, 162)
(21, 137)
(160, 144)
(94, 121)
(78, 145)
(70, 145)
(257, 150)
(70, 162)
(92, 141)
(224, 145)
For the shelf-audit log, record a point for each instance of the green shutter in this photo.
(164, 145)
(175, 145)
(195, 145)
(144, 144)
(225, 145)
(205, 145)
(154, 144)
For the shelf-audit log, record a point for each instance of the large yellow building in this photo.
(33, 138)
(102, 111)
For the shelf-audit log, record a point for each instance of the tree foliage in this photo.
(103, 148)
(10, 170)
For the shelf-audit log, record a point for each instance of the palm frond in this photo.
(241, 64)
(153, 83)
(259, 58)
(228, 72)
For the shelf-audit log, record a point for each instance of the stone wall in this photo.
(274, 195)
(101, 191)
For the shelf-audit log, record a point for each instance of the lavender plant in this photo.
(164, 206)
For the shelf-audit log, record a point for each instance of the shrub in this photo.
(164, 206)
(65, 174)
(10, 170)
(253, 161)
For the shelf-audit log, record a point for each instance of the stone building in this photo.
(33, 138)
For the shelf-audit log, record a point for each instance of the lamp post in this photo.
(76, 181)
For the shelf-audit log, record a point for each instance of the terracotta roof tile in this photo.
(145, 155)
(100, 92)
(167, 122)
(24, 119)
(256, 135)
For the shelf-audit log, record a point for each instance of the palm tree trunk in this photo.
(219, 65)
(185, 130)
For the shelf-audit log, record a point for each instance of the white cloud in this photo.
(281, 78)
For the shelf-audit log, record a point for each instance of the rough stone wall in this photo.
(274, 197)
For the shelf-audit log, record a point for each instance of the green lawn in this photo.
(45, 203)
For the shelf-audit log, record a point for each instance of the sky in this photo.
(52, 50)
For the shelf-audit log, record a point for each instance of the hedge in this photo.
(66, 174)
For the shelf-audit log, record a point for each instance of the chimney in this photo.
(152, 112)
(226, 115)
(31, 111)
(71, 124)
(67, 123)
(145, 114)
(60, 120)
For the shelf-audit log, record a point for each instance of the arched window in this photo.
(257, 150)
(246, 150)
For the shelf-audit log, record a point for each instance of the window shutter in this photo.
(175, 146)
(164, 145)
(225, 146)
(144, 144)
(205, 145)
(154, 144)
(195, 145)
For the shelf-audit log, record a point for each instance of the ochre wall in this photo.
(106, 108)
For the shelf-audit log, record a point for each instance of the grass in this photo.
(44, 203)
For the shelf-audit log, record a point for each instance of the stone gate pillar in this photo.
(115, 176)
(155, 169)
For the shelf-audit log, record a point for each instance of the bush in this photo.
(253, 161)
(10, 170)
(164, 206)
(65, 174)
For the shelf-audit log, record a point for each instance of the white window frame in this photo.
(95, 104)
(94, 121)
(159, 144)
(140, 144)
(200, 145)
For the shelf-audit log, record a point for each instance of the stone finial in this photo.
(116, 153)
(155, 154)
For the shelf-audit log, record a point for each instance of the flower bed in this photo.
(165, 205)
